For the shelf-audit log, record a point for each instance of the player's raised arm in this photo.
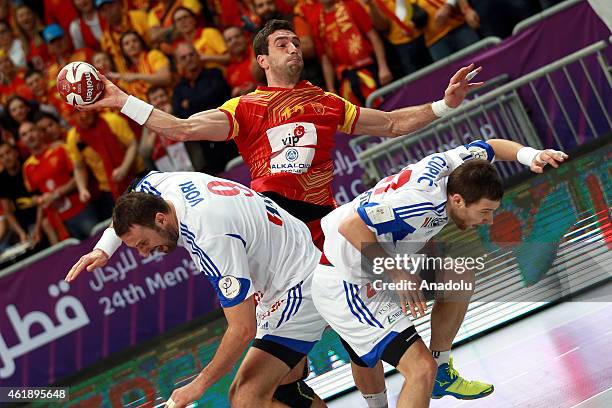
(403, 121)
(535, 159)
(210, 125)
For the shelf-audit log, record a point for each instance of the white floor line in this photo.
(590, 398)
(567, 352)
(514, 378)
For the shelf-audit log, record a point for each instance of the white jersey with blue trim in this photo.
(242, 241)
(407, 207)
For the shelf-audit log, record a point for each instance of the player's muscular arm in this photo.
(402, 121)
(210, 125)
(241, 330)
(396, 123)
(504, 149)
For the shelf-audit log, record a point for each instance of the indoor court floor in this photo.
(558, 357)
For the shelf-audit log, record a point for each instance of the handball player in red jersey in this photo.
(285, 133)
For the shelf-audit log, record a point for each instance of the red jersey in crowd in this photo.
(342, 32)
(48, 171)
(239, 72)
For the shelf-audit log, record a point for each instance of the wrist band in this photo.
(137, 110)
(109, 242)
(526, 155)
(440, 108)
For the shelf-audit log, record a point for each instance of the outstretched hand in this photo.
(459, 86)
(548, 156)
(113, 97)
(95, 259)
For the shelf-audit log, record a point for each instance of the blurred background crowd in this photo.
(61, 169)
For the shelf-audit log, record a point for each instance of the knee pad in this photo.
(296, 394)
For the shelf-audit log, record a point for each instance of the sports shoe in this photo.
(449, 382)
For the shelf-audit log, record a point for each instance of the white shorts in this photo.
(367, 320)
(291, 319)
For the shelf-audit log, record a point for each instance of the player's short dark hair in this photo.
(260, 42)
(474, 180)
(137, 209)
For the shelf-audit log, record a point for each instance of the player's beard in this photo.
(170, 239)
(291, 73)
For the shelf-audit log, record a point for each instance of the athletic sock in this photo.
(376, 400)
(441, 357)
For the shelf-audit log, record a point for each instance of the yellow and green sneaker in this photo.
(449, 382)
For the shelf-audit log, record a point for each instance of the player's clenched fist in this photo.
(185, 395)
(95, 259)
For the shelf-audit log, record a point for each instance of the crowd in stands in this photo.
(62, 169)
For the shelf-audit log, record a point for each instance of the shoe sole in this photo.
(466, 397)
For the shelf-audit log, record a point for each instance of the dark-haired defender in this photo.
(247, 247)
(406, 210)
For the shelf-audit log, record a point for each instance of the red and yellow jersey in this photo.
(404, 31)
(149, 62)
(161, 16)
(239, 71)
(342, 32)
(432, 31)
(133, 20)
(48, 171)
(15, 86)
(286, 137)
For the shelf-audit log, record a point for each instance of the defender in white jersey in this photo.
(410, 208)
(260, 261)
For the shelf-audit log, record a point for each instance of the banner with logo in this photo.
(50, 329)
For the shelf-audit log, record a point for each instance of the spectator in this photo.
(349, 40)
(114, 23)
(160, 18)
(499, 18)
(19, 110)
(18, 204)
(239, 72)
(49, 100)
(60, 12)
(106, 144)
(86, 30)
(207, 41)
(200, 89)
(12, 46)
(236, 13)
(60, 52)
(446, 31)
(51, 128)
(49, 171)
(29, 27)
(103, 62)
(162, 153)
(305, 20)
(5, 12)
(12, 80)
(267, 10)
(145, 67)
(402, 26)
